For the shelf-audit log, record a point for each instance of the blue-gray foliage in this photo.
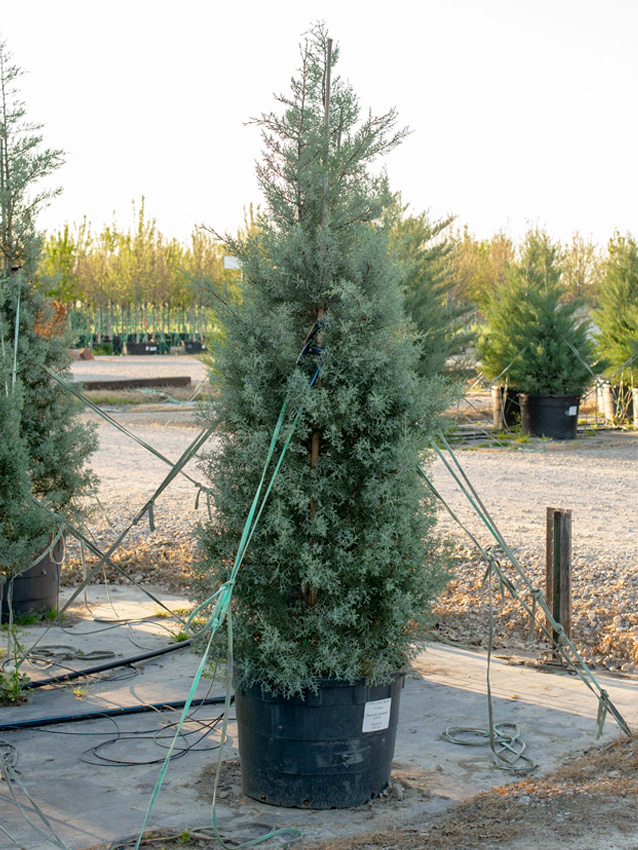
(342, 571)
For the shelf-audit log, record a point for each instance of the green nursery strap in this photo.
(562, 643)
(121, 427)
(105, 557)
(221, 612)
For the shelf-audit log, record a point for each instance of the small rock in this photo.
(396, 791)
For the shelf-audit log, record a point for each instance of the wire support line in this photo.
(97, 756)
(506, 738)
(118, 425)
(221, 612)
(14, 784)
(552, 630)
(105, 558)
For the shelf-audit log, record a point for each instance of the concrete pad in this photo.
(91, 802)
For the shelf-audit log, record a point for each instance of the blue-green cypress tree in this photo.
(38, 423)
(341, 574)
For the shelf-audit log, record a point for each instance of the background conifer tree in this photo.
(617, 316)
(540, 340)
(340, 575)
(37, 416)
(425, 249)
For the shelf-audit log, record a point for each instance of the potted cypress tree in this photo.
(537, 339)
(338, 581)
(43, 447)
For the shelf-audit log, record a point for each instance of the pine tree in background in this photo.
(617, 316)
(37, 415)
(530, 335)
(340, 575)
(425, 250)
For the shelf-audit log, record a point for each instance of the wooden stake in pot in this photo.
(309, 593)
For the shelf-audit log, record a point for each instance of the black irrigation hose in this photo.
(100, 668)
(107, 712)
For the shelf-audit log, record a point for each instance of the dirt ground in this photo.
(588, 804)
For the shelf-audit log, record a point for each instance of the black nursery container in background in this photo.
(554, 416)
(338, 581)
(35, 591)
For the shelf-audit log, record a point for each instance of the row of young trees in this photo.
(134, 282)
(455, 283)
(138, 281)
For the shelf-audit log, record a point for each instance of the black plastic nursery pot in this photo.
(35, 591)
(554, 416)
(506, 407)
(329, 750)
(142, 348)
(193, 346)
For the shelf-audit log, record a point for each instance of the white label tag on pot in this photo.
(376, 715)
(573, 411)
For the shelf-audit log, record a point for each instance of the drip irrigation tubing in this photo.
(111, 665)
(106, 712)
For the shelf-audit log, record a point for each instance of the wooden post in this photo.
(308, 591)
(558, 561)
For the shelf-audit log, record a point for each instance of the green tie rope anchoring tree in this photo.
(339, 578)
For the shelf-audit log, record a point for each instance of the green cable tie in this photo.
(603, 706)
(221, 611)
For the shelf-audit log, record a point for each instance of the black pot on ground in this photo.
(193, 346)
(506, 407)
(142, 348)
(332, 749)
(554, 416)
(35, 591)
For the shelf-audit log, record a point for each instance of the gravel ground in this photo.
(144, 366)
(595, 477)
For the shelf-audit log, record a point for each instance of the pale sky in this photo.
(522, 111)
